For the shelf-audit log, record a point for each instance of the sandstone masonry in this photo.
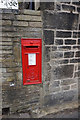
(58, 24)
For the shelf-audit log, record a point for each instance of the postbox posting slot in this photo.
(31, 46)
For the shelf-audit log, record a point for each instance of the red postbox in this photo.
(31, 60)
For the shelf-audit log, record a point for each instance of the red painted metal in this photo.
(32, 72)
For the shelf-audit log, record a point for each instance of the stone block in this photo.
(20, 23)
(48, 75)
(12, 34)
(64, 48)
(17, 54)
(79, 41)
(78, 9)
(29, 18)
(68, 81)
(76, 47)
(70, 42)
(8, 28)
(6, 11)
(74, 60)
(77, 54)
(8, 47)
(47, 54)
(30, 12)
(56, 55)
(47, 5)
(62, 20)
(77, 74)
(1, 28)
(7, 43)
(68, 8)
(79, 34)
(70, 96)
(58, 6)
(46, 86)
(55, 83)
(68, 54)
(62, 72)
(0, 16)
(17, 69)
(10, 70)
(48, 37)
(67, 87)
(66, 2)
(7, 75)
(6, 40)
(7, 52)
(8, 16)
(54, 48)
(78, 66)
(79, 87)
(59, 42)
(76, 34)
(48, 67)
(62, 34)
(35, 24)
(74, 86)
(29, 29)
(53, 99)
(5, 22)
(57, 62)
(76, 2)
(10, 79)
(12, 94)
(54, 89)
(8, 62)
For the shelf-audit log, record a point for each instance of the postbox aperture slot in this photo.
(31, 46)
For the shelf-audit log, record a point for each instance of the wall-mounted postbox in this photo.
(31, 60)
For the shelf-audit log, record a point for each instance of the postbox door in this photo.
(31, 67)
(31, 61)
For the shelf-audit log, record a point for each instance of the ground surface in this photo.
(63, 114)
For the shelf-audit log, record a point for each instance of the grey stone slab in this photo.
(65, 21)
(62, 72)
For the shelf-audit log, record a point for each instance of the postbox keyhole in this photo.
(28, 80)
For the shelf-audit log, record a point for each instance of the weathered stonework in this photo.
(62, 53)
(18, 24)
(58, 25)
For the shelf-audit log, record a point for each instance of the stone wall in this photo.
(15, 25)
(61, 57)
(61, 30)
